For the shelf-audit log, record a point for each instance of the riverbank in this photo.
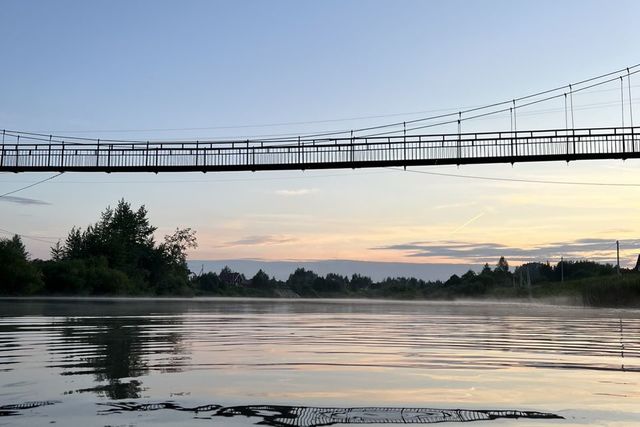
(608, 292)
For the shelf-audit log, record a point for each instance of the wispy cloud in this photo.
(296, 192)
(260, 240)
(592, 248)
(23, 200)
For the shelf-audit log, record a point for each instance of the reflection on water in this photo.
(369, 356)
(302, 416)
(112, 349)
(16, 408)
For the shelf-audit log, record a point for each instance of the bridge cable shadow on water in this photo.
(303, 416)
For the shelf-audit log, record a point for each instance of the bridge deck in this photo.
(357, 152)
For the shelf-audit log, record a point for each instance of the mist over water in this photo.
(239, 362)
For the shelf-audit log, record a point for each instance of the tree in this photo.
(486, 270)
(231, 278)
(301, 282)
(453, 280)
(469, 276)
(17, 274)
(207, 283)
(123, 236)
(121, 246)
(359, 283)
(332, 283)
(175, 245)
(502, 265)
(261, 280)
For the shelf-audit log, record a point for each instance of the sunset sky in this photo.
(161, 70)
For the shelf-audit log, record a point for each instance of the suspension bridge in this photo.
(398, 144)
(356, 152)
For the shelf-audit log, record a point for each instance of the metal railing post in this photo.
(17, 151)
(197, 151)
(512, 144)
(2, 154)
(49, 153)
(204, 156)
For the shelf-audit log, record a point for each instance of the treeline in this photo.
(119, 256)
(499, 281)
(115, 256)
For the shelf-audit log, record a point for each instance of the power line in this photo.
(215, 181)
(528, 181)
(31, 185)
(36, 238)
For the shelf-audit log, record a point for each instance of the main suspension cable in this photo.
(310, 136)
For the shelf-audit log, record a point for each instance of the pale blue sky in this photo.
(92, 68)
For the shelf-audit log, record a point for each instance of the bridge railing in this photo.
(337, 152)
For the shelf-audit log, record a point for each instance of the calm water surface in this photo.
(284, 363)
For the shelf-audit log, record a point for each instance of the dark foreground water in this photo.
(315, 363)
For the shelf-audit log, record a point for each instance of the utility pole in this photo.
(618, 256)
(561, 269)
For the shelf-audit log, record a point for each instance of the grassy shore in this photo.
(604, 291)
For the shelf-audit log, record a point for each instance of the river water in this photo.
(120, 362)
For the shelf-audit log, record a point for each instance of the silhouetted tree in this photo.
(469, 276)
(118, 254)
(261, 280)
(359, 283)
(332, 283)
(301, 282)
(231, 278)
(503, 265)
(17, 274)
(207, 283)
(453, 280)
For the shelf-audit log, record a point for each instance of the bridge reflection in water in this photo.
(303, 416)
(21, 152)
